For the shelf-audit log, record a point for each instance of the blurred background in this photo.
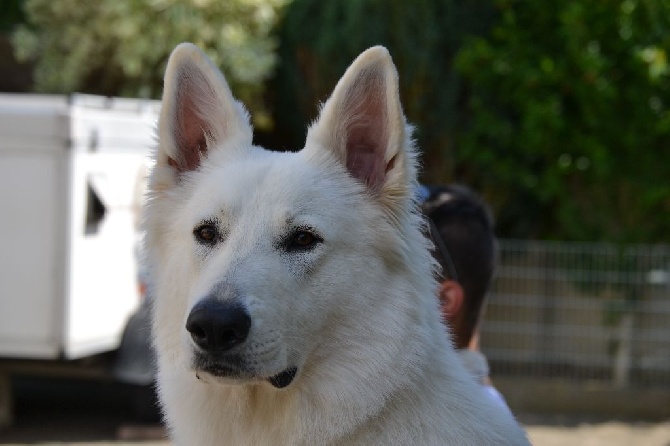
(556, 112)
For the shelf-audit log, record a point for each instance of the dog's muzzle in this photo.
(217, 327)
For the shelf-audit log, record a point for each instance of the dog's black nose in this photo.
(218, 325)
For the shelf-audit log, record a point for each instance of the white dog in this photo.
(294, 293)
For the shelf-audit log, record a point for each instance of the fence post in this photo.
(624, 353)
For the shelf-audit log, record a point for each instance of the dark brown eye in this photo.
(206, 234)
(303, 240)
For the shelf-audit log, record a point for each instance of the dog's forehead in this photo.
(274, 184)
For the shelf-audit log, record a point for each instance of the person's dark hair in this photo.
(461, 227)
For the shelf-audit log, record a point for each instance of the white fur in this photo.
(357, 314)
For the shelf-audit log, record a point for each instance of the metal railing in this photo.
(581, 311)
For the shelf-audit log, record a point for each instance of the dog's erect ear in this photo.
(198, 110)
(363, 124)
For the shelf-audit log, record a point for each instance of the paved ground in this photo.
(601, 434)
(69, 413)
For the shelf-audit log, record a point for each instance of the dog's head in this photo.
(260, 258)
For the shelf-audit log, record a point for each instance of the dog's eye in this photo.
(206, 233)
(303, 240)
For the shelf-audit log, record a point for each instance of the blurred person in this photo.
(465, 247)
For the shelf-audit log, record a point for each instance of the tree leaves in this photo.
(120, 47)
(573, 94)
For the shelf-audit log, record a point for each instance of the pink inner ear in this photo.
(367, 137)
(190, 128)
(365, 155)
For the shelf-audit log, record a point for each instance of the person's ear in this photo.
(451, 298)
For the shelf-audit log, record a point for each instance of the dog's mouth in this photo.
(284, 378)
(236, 372)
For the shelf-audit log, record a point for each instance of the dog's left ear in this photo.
(362, 123)
(198, 111)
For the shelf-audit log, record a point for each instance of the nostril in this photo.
(197, 333)
(218, 326)
(229, 335)
(195, 327)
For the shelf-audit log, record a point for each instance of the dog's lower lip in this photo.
(284, 378)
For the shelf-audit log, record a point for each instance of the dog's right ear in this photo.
(198, 112)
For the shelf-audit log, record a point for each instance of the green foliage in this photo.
(570, 128)
(120, 47)
(10, 14)
(320, 39)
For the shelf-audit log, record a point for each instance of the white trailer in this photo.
(71, 184)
